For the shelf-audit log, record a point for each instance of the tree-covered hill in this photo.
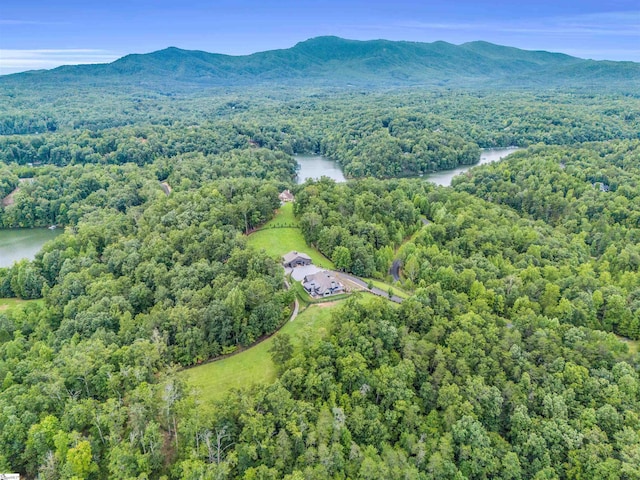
(333, 61)
(504, 361)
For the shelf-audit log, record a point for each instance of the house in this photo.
(295, 259)
(286, 196)
(322, 284)
(603, 187)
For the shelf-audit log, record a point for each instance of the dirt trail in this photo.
(9, 199)
(166, 188)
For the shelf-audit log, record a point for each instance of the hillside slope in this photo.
(332, 61)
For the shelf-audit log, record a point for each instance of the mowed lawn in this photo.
(254, 365)
(284, 217)
(278, 241)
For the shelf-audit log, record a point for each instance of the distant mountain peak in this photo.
(334, 61)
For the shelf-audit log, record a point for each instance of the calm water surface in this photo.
(16, 244)
(316, 166)
(489, 155)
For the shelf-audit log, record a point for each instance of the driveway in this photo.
(298, 273)
(395, 270)
(374, 290)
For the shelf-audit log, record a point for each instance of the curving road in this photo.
(394, 271)
(296, 306)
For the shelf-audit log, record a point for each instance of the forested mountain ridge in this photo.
(333, 61)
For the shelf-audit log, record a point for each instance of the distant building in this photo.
(295, 259)
(322, 284)
(603, 187)
(286, 196)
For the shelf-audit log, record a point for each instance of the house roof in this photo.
(322, 281)
(289, 257)
(286, 194)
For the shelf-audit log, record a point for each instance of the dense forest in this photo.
(358, 224)
(511, 358)
(369, 134)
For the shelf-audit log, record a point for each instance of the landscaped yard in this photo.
(278, 241)
(284, 217)
(305, 299)
(254, 366)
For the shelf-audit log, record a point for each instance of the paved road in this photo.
(296, 305)
(394, 271)
(374, 290)
(296, 308)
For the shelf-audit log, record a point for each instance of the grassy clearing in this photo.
(7, 304)
(254, 366)
(278, 241)
(385, 286)
(284, 217)
(634, 345)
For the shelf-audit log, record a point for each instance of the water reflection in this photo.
(16, 244)
(444, 177)
(316, 166)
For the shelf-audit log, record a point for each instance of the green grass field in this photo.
(278, 241)
(634, 345)
(305, 299)
(254, 365)
(385, 286)
(7, 304)
(284, 217)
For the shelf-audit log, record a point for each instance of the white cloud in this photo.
(12, 61)
(611, 23)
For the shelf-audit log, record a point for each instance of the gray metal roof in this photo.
(289, 257)
(321, 282)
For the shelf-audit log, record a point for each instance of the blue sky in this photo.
(44, 33)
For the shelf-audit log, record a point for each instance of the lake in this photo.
(316, 166)
(489, 155)
(16, 244)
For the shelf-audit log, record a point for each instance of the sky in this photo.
(38, 34)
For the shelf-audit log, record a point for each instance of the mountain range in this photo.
(337, 62)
